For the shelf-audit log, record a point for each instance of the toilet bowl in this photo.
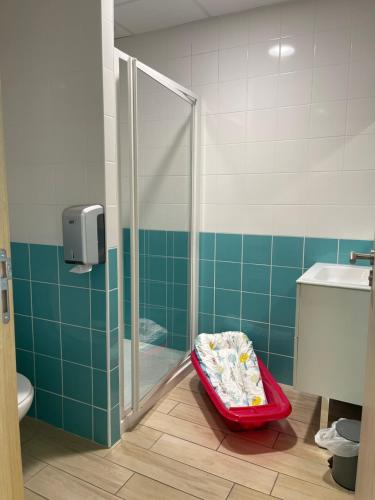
(25, 395)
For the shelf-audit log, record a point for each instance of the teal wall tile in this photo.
(24, 332)
(25, 364)
(115, 386)
(263, 356)
(255, 307)
(226, 324)
(20, 260)
(346, 246)
(282, 340)
(49, 407)
(257, 249)
(78, 418)
(256, 278)
(22, 297)
(46, 301)
(156, 268)
(181, 271)
(157, 242)
(228, 275)
(77, 382)
(48, 373)
(43, 260)
(113, 309)
(181, 244)
(281, 368)
(284, 281)
(112, 264)
(47, 337)
(97, 277)
(207, 246)
(227, 302)
(126, 264)
(157, 293)
(205, 323)
(100, 395)
(206, 272)
(283, 311)
(76, 344)
(258, 333)
(115, 425)
(126, 239)
(114, 348)
(320, 250)
(98, 310)
(180, 322)
(287, 251)
(99, 355)
(70, 313)
(100, 427)
(206, 300)
(181, 296)
(68, 278)
(229, 247)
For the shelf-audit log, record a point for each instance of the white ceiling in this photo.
(140, 16)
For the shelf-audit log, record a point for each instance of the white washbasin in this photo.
(337, 275)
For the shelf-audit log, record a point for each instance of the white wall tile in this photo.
(326, 154)
(205, 68)
(293, 122)
(360, 152)
(232, 95)
(233, 63)
(330, 83)
(331, 14)
(225, 159)
(262, 92)
(209, 97)
(261, 125)
(297, 17)
(332, 47)
(294, 88)
(232, 127)
(363, 43)
(260, 157)
(264, 24)
(361, 116)
(260, 62)
(298, 52)
(362, 79)
(328, 118)
(233, 31)
(205, 36)
(291, 156)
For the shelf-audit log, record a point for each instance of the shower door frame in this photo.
(129, 417)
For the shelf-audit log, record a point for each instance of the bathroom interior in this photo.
(173, 168)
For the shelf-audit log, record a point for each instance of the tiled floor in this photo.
(182, 450)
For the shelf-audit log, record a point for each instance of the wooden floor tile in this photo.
(30, 495)
(184, 429)
(140, 488)
(55, 484)
(295, 428)
(219, 464)
(301, 448)
(86, 466)
(286, 463)
(188, 397)
(241, 493)
(166, 405)
(289, 488)
(30, 466)
(170, 472)
(141, 436)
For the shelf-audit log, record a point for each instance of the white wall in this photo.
(52, 85)
(288, 142)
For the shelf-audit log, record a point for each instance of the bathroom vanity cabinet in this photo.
(331, 332)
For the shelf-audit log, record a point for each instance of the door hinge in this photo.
(5, 276)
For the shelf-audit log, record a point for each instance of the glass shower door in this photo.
(164, 122)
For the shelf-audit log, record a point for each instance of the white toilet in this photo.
(25, 395)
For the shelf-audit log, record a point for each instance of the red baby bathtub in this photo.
(248, 417)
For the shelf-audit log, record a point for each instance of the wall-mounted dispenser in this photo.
(83, 236)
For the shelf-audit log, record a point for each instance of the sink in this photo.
(337, 275)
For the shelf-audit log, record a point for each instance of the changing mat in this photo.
(230, 363)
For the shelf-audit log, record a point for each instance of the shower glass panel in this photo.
(164, 184)
(157, 127)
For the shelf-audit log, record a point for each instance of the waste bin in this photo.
(342, 440)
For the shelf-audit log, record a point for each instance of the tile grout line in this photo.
(61, 348)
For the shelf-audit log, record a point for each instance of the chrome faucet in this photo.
(354, 256)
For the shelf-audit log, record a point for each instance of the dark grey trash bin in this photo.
(344, 469)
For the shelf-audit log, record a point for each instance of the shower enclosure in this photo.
(158, 191)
